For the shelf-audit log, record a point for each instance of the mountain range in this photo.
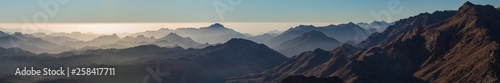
(216, 63)
(341, 32)
(460, 48)
(306, 42)
(444, 46)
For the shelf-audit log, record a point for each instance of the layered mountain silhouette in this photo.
(341, 32)
(375, 26)
(3, 34)
(98, 41)
(30, 43)
(215, 33)
(136, 41)
(76, 35)
(216, 63)
(307, 42)
(444, 46)
(460, 48)
(172, 39)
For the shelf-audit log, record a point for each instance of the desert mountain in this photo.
(307, 42)
(404, 26)
(461, 48)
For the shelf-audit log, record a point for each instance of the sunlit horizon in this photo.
(253, 28)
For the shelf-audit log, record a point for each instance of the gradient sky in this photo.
(94, 11)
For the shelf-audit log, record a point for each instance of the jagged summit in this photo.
(469, 8)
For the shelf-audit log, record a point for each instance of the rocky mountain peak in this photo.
(469, 8)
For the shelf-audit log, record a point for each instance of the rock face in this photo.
(461, 48)
(403, 26)
(307, 42)
(464, 48)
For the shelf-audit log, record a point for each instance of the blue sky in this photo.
(96, 11)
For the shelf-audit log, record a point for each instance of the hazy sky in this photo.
(91, 11)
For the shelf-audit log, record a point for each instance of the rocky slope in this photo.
(404, 26)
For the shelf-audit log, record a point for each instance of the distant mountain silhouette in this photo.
(30, 43)
(375, 26)
(3, 34)
(99, 41)
(77, 35)
(173, 39)
(261, 38)
(136, 41)
(341, 32)
(215, 33)
(215, 63)
(58, 39)
(307, 42)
